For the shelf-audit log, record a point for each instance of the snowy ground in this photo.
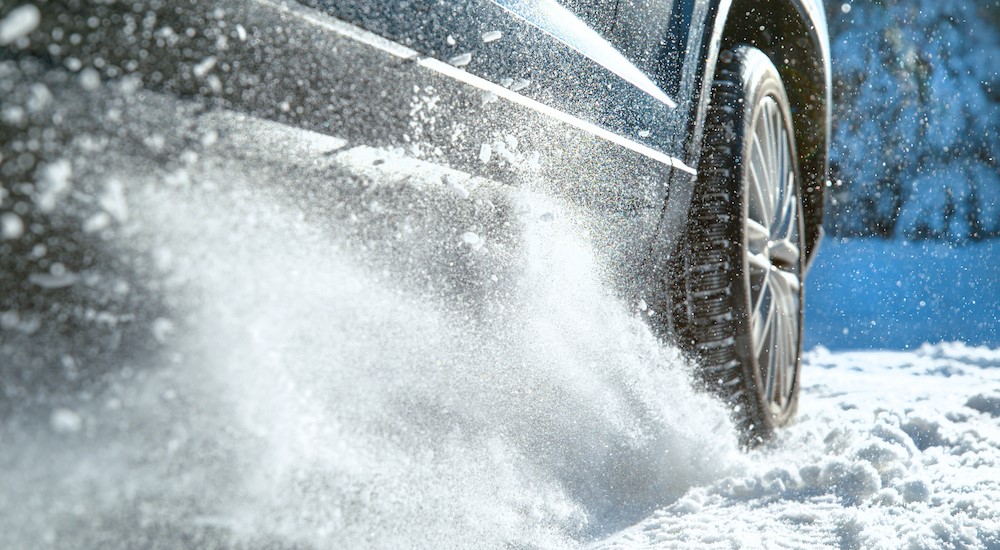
(890, 450)
(290, 341)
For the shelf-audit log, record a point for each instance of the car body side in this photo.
(372, 71)
(675, 42)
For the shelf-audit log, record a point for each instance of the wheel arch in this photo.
(794, 34)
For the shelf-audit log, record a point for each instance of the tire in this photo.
(738, 274)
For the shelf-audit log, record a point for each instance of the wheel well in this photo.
(779, 29)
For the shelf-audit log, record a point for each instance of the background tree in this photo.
(916, 117)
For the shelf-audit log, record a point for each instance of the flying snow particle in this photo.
(162, 329)
(90, 79)
(485, 153)
(209, 138)
(11, 226)
(473, 240)
(492, 36)
(13, 115)
(461, 60)
(241, 33)
(97, 222)
(40, 98)
(203, 68)
(520, 85)
(53, 184)
(57, 277)
(65, 421)
(19, 23)
(845, 8)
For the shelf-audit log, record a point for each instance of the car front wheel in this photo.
(738, 274)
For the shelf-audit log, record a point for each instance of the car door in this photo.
(593, 59)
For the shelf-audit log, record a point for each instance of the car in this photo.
(700, 127)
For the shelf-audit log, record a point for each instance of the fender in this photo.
(777, 27)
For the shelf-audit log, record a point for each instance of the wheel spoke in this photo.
(769, 355)
(767, 319)
(790, 336)
(787, 281)
(757, 236)
(774, 156)
(758, 172)
(756, 206)
(779, 184)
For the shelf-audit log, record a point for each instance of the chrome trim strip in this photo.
(552, 18)
(486, 85)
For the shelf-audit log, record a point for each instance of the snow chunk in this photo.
(65, 421)
(472, 240)
(485, 153)
(461, 60)
(520, 85)
(492, 36)
(19, 23)
(915, 490)
(490, 97)
(204, 67)
(53, 184)
(924, 432)
(852, 482)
